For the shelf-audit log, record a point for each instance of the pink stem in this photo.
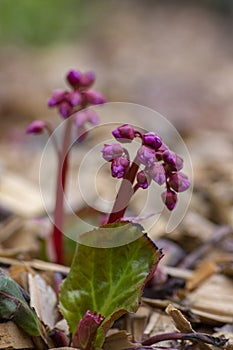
(50, 131)
(124, 194)
(57, 235)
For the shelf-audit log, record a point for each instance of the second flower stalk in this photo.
(154, 161)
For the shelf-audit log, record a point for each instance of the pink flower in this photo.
(93, 97)
(87, 79)
(82, 118)
(81, 96)
(124, 133)
(119, 167)
(65, 101)
(179, 182)
(146, 155)
(157, 173)
(111, 152)
(173, 161)
(36, 127)
(143, 179)
(152, 140)
(87, 116)
(169, 197)
(80, 80)
(73, 77)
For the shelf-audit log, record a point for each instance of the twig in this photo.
(191, 259)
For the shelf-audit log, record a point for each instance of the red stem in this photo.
(124, 194)
(195, 337)
(63, 164)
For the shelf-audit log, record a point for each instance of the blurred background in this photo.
(173, 56)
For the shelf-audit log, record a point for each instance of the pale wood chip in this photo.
(12, 337)
(62, 325)
(213, 300)
(37, 264)
(43, 299)
(20, 196)
(19, 273)
(138, 321)
(205, 270)
(151, 324)
(11, 225)
(178, 272)
(117, 340)
(181, 323)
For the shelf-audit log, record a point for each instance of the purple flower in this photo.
(146, 155)
(88, 115)
(56, 98)
(36, 127)
(124, 133)
(119, 167)
(179, 182)
(86, 331)
(160, 151)
(74, 98)
(83, 117)
(173, 161)
(65, 109)
(157, 173)
(143, 179)
(65, 101)
(87, 79)
(93, 97)
(111, 152)
(152, 140)
(169, 197)
(73, 78)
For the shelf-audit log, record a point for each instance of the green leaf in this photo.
(108, 281)
(14, 307)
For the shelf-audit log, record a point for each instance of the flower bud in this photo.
(94, 97)
(157, 173)
(74, 98)
(86, 116)
(57, 97)
(124, 133)
(111, 152)
(152, 140)
(173, 161)
(146, 155)
(87, 79)
(65, 109)
(169, 197)
(179, 182)
(92, 117)
(36, 127)
(143, 179)
(73, 78)
(119, 167)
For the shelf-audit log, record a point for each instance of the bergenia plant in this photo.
(72, 102)
(107, 281)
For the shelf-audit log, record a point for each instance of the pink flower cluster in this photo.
(73, 102)
(80, 95)
(159, 163)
